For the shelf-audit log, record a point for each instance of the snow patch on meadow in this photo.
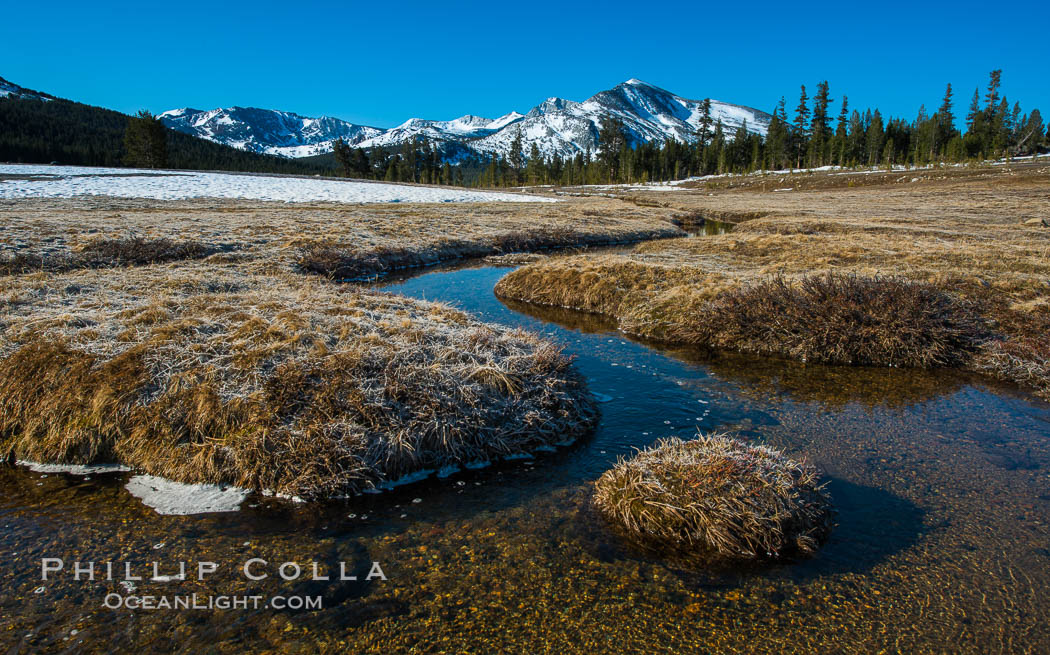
(69, 181)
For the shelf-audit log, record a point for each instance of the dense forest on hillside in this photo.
(37, 131)
(811, 137)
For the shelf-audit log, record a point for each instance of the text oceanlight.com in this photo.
(208, 602)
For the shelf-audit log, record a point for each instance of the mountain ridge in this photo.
(557, 126)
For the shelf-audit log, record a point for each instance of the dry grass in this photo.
(107, 253)
(326, 237)
(347, 262)
(131, 332)
(1022, 353)
(211, 374)
(967, 235)
(719, 498)
(842, 319)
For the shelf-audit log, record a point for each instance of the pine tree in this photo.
(535, 165)
(801, 119)
(1030, 135)
(991, 97)
(874, 140)
(517, 154)
(612, 139)
(819, 125)
(145, 141)
(856, 139)
(974, 112)
(342, 155)
(945, 122)
(841, 134)
(704, 129)
(776, 137)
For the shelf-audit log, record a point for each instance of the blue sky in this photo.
(381, 63)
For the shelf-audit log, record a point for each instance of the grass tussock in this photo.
(842, 319)
(718, 498)
(108, 253)
(830, 318)
(277, 383)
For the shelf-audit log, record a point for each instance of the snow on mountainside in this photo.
(267, 131)
(462, 129)
(12, 90)
(649, 113)
(556, 126)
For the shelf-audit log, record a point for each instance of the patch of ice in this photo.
(176, 498)
(73, 469)
(408, 478)
(446, 471)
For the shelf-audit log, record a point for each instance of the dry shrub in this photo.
(718, 498)
(108, 253)
(843, 319)
(282, 383)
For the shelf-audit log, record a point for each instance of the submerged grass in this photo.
(718, 498)
(269, 382)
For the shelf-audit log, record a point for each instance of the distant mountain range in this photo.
(556, 126)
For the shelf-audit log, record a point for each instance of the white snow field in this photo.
(68, 181)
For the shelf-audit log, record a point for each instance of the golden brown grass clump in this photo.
(842, 319)
(718, 498)
(268, 382)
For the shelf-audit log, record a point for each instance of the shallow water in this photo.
(708, 227)
(941, 480)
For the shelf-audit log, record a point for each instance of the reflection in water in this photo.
(942, 487)
(707, 227)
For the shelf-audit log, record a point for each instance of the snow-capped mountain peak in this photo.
(266, 130)
(556, 126)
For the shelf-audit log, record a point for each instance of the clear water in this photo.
(941, 480)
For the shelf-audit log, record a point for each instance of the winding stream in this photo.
(941, 480)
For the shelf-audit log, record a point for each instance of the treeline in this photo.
(812, 137)
(422, 162)
(35, 131)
